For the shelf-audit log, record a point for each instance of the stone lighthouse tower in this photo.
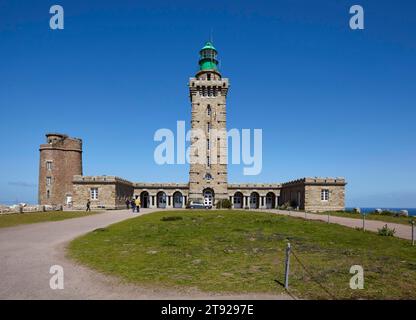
(60, 160)
(208, 153)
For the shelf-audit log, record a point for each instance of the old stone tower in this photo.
(60, 160)
(208, 156)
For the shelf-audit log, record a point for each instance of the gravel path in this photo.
(402, 231)
(28, 251)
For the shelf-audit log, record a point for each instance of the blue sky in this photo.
(331, 101)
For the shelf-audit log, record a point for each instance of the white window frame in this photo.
(325, 195)
(94, 193)
(48, 165)
(48, 181)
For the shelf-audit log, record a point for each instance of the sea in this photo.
(412, 211)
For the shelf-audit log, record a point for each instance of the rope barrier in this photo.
(312, 277)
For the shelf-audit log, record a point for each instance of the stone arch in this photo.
(208, 196)
(254, 200)
(145, 199)
(177, 199)
(161, 199)
(270, 200)
(238, 200)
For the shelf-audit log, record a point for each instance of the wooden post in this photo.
(287, 265)
(363, 221)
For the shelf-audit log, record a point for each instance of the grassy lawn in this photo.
(379, 217)
(14, 219)
(238, 251)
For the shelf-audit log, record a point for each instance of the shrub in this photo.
(386, 231)
(171, 218)
(224, 204)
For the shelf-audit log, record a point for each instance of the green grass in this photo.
(14, 219)
(378, 217)
(238, 252)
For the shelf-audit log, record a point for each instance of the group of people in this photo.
(134, 204)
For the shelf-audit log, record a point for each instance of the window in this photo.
(208, 162)
(94, 193)
(209, 110)
(48, 194)
(49, 165)
(324, 195)
(48, 181)
(208, 144)
(209, 127)
(208, 176)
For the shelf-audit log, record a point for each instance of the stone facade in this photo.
(60, 160)
(208, 162)
(314, 194)
(208, 180)
(104, 192)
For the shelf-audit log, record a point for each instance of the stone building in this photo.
(60, 161)
(61, 180)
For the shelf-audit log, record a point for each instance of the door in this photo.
(69, 201)
(161, 200)
(208, 198)
(254, 201)
(238, 201)
(177, 200)
(270, 201)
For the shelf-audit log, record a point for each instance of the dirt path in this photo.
(28, 251)
(402, 231)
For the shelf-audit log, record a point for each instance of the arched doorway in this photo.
(177, 200)
(270, 200)
(254, 200)
(144, 199)
(161, 200)
(208, 197)
(238, 200)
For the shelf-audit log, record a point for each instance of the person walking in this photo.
(133, 205)
(137, 202)
(127, 203)
(88, 205)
